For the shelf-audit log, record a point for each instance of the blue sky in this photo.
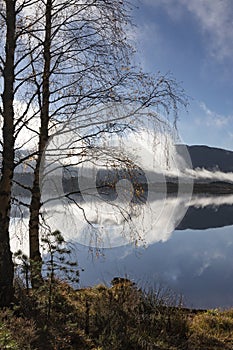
(193, 39)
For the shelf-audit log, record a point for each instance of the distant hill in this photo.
(210, 158)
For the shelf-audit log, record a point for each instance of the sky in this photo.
(192, 39)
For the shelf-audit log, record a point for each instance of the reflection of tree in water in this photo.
(106, 183)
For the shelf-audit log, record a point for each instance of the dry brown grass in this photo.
(118, 318)
(212, 330)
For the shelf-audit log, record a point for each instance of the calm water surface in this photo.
(196, 260)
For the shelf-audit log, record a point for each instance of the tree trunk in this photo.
(34, 222)
(6, 263)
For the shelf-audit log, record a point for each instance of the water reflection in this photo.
(170, 213)
(194, 257)
(198, 264)
(208, 212)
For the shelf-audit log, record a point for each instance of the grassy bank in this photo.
(103, 318)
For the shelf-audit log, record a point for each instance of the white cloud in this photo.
(215, 19)
(141, 38)
(214, 119)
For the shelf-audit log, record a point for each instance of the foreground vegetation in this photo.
(118, 317)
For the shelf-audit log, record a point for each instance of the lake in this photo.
(187, 242)
(196, 261)
(192, 256)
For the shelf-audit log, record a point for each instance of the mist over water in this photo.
(203, 174)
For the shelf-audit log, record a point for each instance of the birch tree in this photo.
(59, 58)
(15, 74)
(7, 113)
(85, 62)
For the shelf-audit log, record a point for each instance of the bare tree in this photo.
(85, 61)
(15, 103)
(43, 94)
(7, 112)
(62, 58)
